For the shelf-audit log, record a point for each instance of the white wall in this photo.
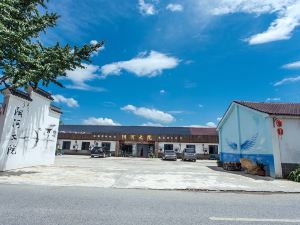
(182, 146)
(28, 132)
(92, 143)
(289, 143)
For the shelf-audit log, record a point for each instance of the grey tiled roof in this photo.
(272, 108)
(18, 93)
(43, 93)
(55, 109)
(137, 130)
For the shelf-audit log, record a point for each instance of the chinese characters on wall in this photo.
(16, 126)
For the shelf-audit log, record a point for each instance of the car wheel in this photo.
(92, 156)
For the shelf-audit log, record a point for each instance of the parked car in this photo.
(189, 154)
(212, 157)
(98, 152)
(169, 155)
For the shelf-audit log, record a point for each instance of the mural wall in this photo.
(246, 134)
(28, 131)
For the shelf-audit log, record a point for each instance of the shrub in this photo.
(295, 175)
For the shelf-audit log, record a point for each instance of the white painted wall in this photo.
(182, 146)
(92, 144)
(289, 143)
(28, 132)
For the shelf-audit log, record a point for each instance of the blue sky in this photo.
(176, 63)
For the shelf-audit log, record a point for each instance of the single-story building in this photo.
(137, 141)
(263, 132)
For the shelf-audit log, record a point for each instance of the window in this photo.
(213, 149)
(85, 146)
(191, 146)
(168, 147)
(106, 146)
(66, 145)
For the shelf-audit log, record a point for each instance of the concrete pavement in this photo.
(48, 205)
(143, 174)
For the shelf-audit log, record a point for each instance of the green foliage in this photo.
(295, 175)
(24, 60)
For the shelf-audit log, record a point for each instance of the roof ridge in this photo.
(239, 101)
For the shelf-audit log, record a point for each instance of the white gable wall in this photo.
(29, 132)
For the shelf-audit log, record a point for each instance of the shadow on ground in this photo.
(16, 173)
(240, 173)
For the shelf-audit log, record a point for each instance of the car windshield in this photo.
(191, 150)
(97, 149)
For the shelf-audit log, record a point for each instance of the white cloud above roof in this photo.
(288, 16)
(71, 102)
(80, 76)
(146, 8)
(287, 81)
(293, 65)
(174, 7)
(150, 113)
(99, 121)
(146, 64)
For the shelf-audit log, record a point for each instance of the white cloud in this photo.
(99, 121)
(293, 65)
(151, 114)
(145, 64)
(146, 8)
(174, 7)
(150, 124)
(287, 81)
(211, 124)
(71, 102)
(176, 112)
(162, 92)
(207, 125)
(219, 118)
(272, 99)
(288, 16)
(94, 42)
(80, 76)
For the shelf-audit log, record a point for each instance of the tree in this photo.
(24, 61)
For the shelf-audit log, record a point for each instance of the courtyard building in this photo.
(138, 141)
(265, 133)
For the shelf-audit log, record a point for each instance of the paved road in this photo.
(142, 174)
(42, 205)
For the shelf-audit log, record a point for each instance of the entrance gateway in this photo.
(142, 150)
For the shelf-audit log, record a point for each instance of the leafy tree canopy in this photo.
(24, 61)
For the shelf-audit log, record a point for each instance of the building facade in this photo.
(137, 141)
(267, 133)
(28, 129)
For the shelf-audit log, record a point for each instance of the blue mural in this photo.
(246, 145)
(253, 130)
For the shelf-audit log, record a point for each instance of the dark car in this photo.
(189, 154)
(169, 155)
(98, 152)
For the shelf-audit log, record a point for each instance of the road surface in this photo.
(44, 205)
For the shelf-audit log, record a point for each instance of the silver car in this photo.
(189, 154)
(169, 155)
(98, 152)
